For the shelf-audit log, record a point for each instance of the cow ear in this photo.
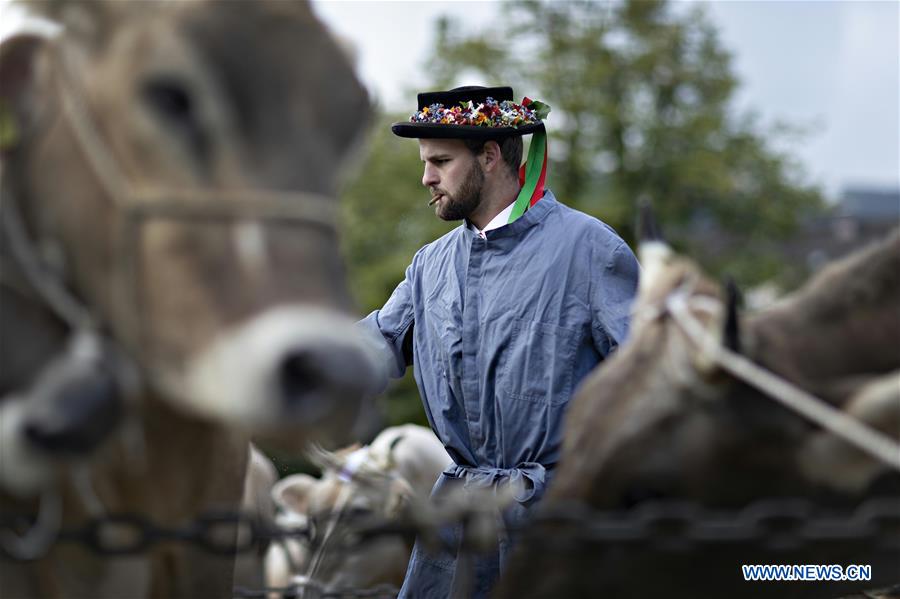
(391, 461)
(398, 498)
(653, 252)
(18, 75)
(349, 48)
(293, 492)
(298, 8)
(345, 452)
(323, 459)
(647, 227)
(731, 334)
(88, 22)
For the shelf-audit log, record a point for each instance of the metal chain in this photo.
(315, 590)
(127, 534)
(666, 525)
(776, 523)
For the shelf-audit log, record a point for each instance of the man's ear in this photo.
(18, 97)
(491, 157)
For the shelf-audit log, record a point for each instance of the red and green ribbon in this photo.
(532, 176)
(533, 173)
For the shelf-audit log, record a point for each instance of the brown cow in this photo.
(171, 165)
(662, 420)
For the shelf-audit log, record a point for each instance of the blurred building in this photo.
(861, 215)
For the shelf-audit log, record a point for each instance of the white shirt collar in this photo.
(496, 222)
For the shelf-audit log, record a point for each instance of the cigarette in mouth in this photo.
(434, 199)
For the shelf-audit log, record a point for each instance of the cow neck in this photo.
(679, 305)
(40, 281)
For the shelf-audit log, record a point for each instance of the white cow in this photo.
(257, 503)
(405, 459)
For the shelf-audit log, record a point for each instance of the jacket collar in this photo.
(532, 216)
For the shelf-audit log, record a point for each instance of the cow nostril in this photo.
(301, 373)
(321, 374)
(76, 413)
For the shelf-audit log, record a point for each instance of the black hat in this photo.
(452, 114)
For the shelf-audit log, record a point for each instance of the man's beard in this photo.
(461, 204)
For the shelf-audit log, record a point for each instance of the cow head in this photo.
(661, 419)
(174, 164)
(355, 487)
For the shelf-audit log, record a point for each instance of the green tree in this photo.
(641, 109)
(385, 220)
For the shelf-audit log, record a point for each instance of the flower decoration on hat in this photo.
(489, 113)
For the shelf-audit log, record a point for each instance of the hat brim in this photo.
(441, 131)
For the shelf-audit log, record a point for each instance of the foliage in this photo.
(641, 109)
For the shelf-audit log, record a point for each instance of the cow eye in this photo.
(169, 98)
(312, 530)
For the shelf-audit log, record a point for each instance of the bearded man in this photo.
(502, 317)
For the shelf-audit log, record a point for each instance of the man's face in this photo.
(453, 175)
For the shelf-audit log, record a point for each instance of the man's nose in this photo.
(430, 177)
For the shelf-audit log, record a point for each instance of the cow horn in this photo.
(391, 461)
(653, 251)
(647, 228)
(731, 336)
(322, 458)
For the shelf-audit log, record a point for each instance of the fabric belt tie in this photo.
(484, 477)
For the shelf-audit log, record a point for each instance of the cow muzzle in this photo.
(73, 406)
(292, 366)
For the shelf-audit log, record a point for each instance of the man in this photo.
(501, 317)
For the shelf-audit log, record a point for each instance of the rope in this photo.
(340, 505)
(865, 438)
(38, 539)
(65, 305)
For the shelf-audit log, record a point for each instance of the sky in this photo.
(830, 67)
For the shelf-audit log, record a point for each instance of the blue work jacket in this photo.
(499, 332)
